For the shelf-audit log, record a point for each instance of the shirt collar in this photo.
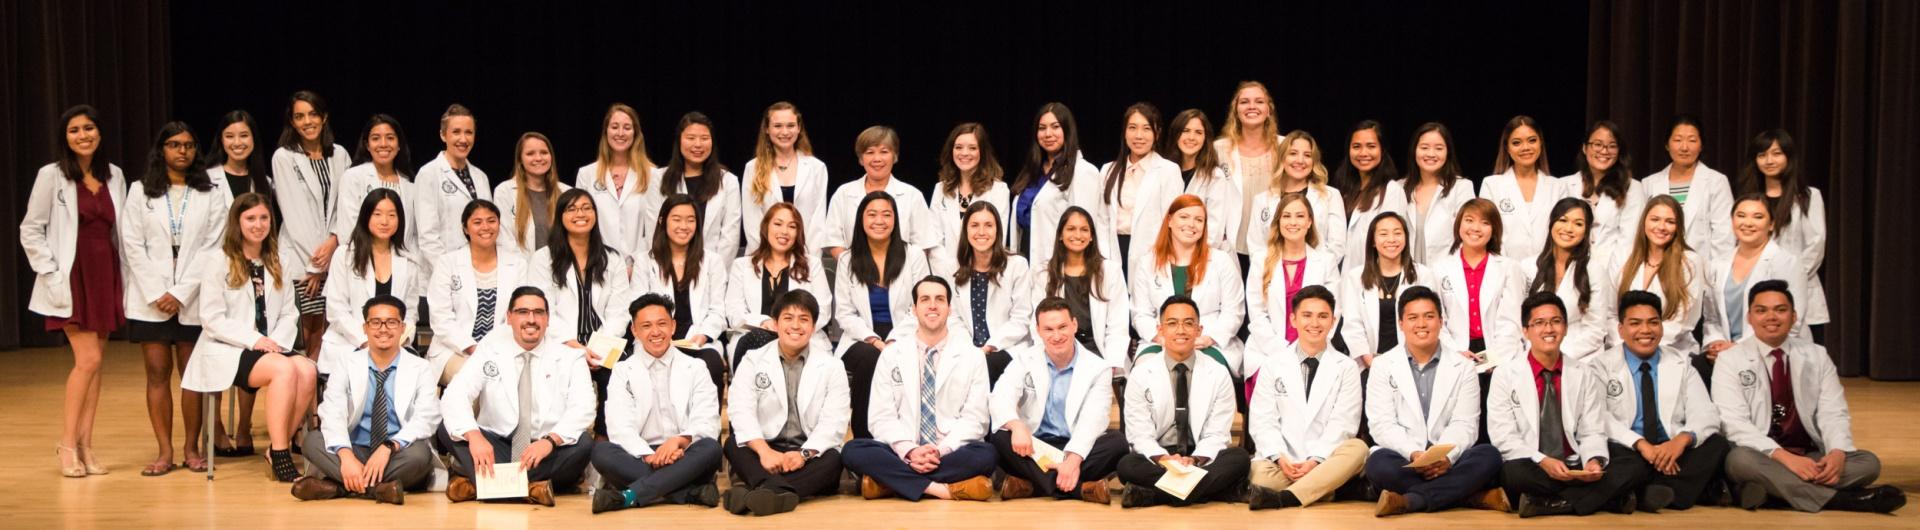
(1070, 364)
(1634, 361)
(663, 361)
(1534, 363)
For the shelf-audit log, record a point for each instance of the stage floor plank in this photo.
(1884, 414)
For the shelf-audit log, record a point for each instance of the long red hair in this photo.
(1163, 244)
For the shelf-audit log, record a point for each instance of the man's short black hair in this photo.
(1535, 300)
(1316, 292)
(650, 299)
(527, 290)
(1636, 298)
(1179, 299)
(931, 278)
(382, 300)
(797, 298)
(1770, 286)
(1420, 292)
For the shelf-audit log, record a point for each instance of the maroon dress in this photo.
(95, 279)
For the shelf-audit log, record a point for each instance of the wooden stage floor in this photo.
(1886, 421)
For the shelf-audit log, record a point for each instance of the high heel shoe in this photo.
(86, 460)
(68, 454)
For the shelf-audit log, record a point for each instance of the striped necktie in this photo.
(929, 433)
(382, 406)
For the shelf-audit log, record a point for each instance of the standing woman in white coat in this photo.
(1522, 187)
(1300, 173)
(1799, 216)
(310, 169)
(1573, 269)
(463, 298)
(619, 179)
(1367, 178)
(783, 169)
(1140, 184)
(1481, 287)
(989, 288)
(1249, 149)
(1661, 261)
(232, 162)
(444, 187)
(873, 288)
(1370, 293)
(681, 266)
(1180, 265)
(246, 308)
(1605, 180)
(779, 263)
(170, 223)
(1434, 193)
(695, 170)
(879, 149)
(1092, 285)
(969, 173)
(1202, 175)
(1705, 195)
(375, 261)
(529, 198)
(1053, 177)
(381, 159)
(587, 287)
(71, 213)
(1287, 264)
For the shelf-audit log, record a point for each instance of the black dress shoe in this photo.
(1260, 498)
(1138, 497)
(607, 499)
(735, 500)
(1751, 496)
(1624, 504)
(1289, 500)
(1882, 499)
(706, 495)
(1532, 506)
(1656, 498)
(764, 502)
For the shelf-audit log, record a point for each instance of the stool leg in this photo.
(207, 427)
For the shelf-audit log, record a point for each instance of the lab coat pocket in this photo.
(59, 292)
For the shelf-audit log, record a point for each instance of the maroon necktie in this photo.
(1786, 420)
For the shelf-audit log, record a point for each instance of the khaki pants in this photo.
(1340, 466)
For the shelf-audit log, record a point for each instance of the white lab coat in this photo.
(1393, 404)
(507, 197)
(226, 322)
(1806, 239)
(1269, 310)
(910, 215)
(946, 211)
(453, 300)
(1249, 184)
(359, 181)
(1159, 186)
(1221, 296)
(441, 197)
(809, 196)
(1438, 227)
(486, 392)
(1110, 322)
(1329, 219)
(719, 216)
(1052, 202)
(960, 406)
(1009, 311)
(1743, 395)
(1360, 309)
(694, 402)
(415, 398)
(625, 216)
(1286, 420)
(1148, 414)
(1614, 224)
(1360, 220)
(1513, 411)
(1682, 397)
(1223, 201)
(1774, 263)
(50, 232)
(1502, 289)
(611, 295)
(152, 269)
(758, 395)
(1708, 210)
(707, 294)
(1523, 223)
(1590, 330)
(855, 310)
(744, 281)
(1029, 381)
(1677, 332)
(308, 209)
(347, 294)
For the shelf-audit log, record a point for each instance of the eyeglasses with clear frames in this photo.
(385, 323)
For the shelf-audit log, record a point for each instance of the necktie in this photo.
(1785, 427)
(1553, 440)
(1313, 368)
(382, 406)
(1650, 407)
(929, 432)
(523, 431)
(1180, 423)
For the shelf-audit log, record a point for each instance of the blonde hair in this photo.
(1276, 242)
(1231, 129)
(637, 161)
(1316, 177)
(763, 150)
(1674, 269)
(233, 244)
(520, 176)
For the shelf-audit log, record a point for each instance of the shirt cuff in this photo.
(335, 449)
(402, 443)
(901, 448)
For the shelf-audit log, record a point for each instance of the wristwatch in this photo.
(393, 445)
(553, 438)
(810, 454)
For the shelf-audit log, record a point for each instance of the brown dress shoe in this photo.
(460, 489)
(317, 488)
(1390, 504)
(974, 489)
(389, 492)
(1491, 499)
(869, 489)
(1096, 492)
(540, 493)
(1015, 488)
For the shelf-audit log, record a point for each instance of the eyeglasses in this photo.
(179, 146)
(1597, 146)
(525, 312)
(385, 323)
(1538, 322)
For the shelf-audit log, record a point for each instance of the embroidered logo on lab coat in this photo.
(60, 197)
(1506, 205)
(447, 187)
(1029, 382)
(1748, 378)
(602, 186)
(896, 376)
(1280, 385)
(762, 382)
(1446, 284)
(1148, 395)
(456, 283)
(490, 369)
(1614, 389)
(1266, 215)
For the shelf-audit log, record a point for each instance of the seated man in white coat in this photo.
(522, 397)
(371, 428)
(928, 411)
(1548, 418)
(1781, 403)
(1661, 409)
(789, 414)
(1180, 411)
(1061, 394)
(1304, 414)
(663, 417)
(1418, 397)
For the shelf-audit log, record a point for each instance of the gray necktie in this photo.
(523, 431)
(1553, 440)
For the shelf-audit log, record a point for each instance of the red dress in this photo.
(95, 276)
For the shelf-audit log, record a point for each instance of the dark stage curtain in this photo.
(56, 54)
(1841, 77)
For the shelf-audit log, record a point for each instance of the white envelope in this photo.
(508, 482)
(1179, 479)
(607, 346)
(1046, 455)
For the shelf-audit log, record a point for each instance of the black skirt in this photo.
(170, 331)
